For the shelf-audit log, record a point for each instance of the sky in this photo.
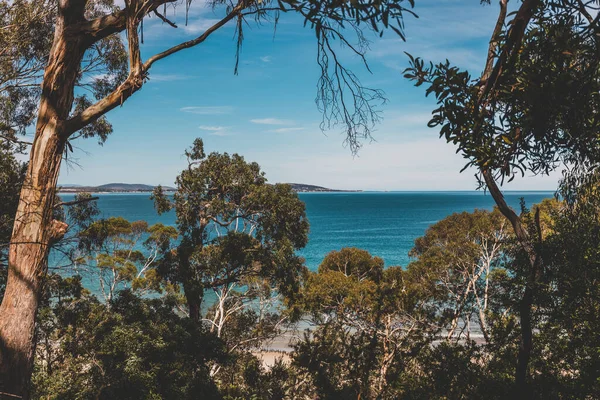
(267, 112)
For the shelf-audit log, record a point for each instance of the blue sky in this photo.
(267, 112)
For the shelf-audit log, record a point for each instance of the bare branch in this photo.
(164, 19)
(191, 43)
(583, 10)
(494, 43)
(515, 36)
(72, 203)
(135, 80)
(101, 27)
(106, 25)
(509, 213)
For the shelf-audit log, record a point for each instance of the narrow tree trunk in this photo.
(521, 384)
(193, 308)
(193, 293)
(34, 229)
(522, 389)
(525, 311)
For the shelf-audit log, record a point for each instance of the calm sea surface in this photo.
(384, 223)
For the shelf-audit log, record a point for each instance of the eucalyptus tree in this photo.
(534, 108)
(458, 260)
(233, 227)
(82, 27)
(238, 238)
(119, 254)
(27, 32)
(369, 322)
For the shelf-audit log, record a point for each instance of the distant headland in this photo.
(302, 187)
(110, 187)
(138, 187)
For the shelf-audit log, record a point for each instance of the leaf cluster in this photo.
(543, 109)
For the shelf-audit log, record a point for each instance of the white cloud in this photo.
(272, 121)
(285, 130)
(208, 110)
(438, 35)
(92, 78)
(221, 133)
(212, 128)
(167, 77)
(199, 25)
(266, 59)
(427, 164)
(216, 130)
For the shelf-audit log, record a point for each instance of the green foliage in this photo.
(569, 350)
(137, 348)
(28, 31)
(542, 112)
(234, 226)
(12, 174)
(455, 371)
(121, 253)
(376, 333)
(461, 265)
(351, 261)
(535, 108)
(368, 323)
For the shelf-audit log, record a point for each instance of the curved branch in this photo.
(509, 213)
(104, 26)
(494, 42)
(101, 27)
(164, 19)
(504, 208)
(515, 37)
(74, 202)
(134, 81)
(191, 43)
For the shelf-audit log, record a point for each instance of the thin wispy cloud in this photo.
(212, 128)
(200, 17)
(266, 59)
(87, 79)
(167, 77)
(199, 26)
(208, 110)
(437, 35)
(216, 130)
(272, 121)
(285, 130)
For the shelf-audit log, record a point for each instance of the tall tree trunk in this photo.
(522, 389)
(34, 229)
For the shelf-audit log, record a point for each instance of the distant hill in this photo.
(111, 187)
(138, 187)
(302, 187)
(126, 187)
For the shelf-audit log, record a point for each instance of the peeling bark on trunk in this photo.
(34, 229)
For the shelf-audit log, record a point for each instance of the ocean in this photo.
(384, 223)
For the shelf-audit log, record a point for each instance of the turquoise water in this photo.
(384, 223)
